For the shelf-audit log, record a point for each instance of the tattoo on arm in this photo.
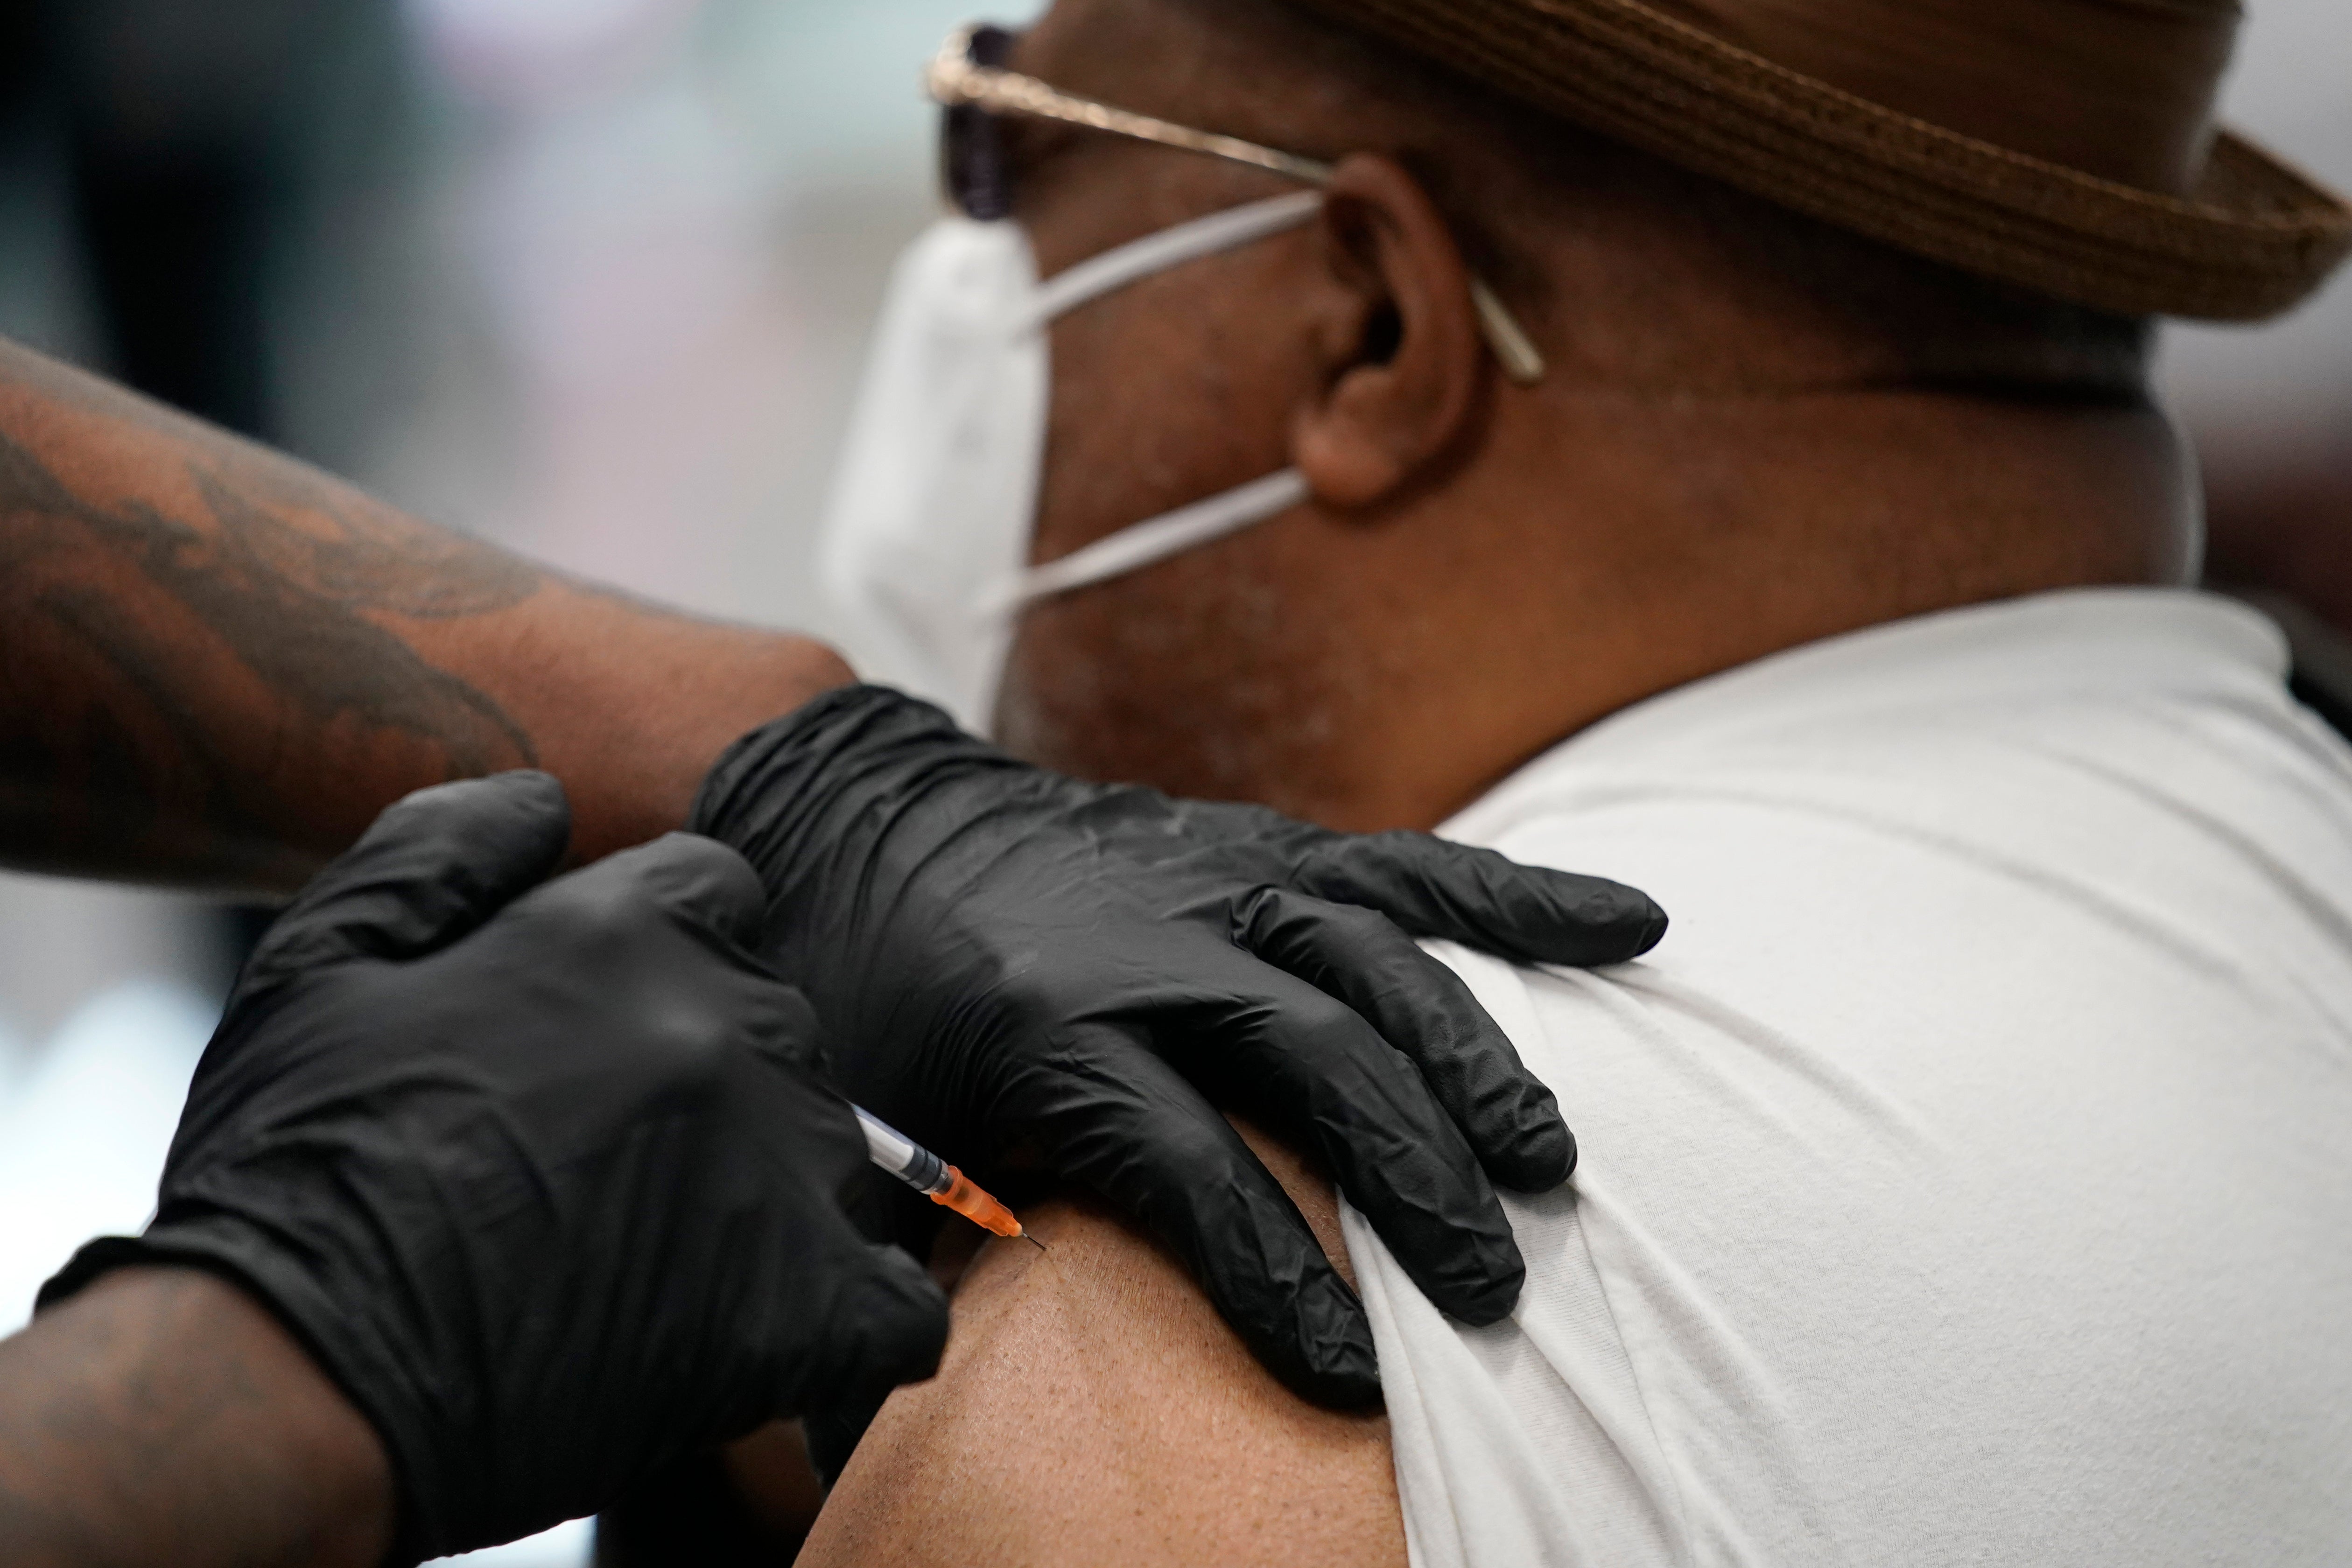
(187, 694)
(164, 1417)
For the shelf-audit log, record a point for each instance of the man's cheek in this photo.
(1085, 489)
(1149, 411)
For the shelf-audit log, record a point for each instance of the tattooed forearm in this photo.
(217, 666)
(169, 675)
(162, 1416)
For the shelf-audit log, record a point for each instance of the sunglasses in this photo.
(968, 80)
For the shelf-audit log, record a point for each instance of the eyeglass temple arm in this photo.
(951, 81)
(952, 78)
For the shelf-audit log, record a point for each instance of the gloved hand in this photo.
(1003, 956)
(536, 1172)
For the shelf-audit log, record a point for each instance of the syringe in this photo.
(935, 1178)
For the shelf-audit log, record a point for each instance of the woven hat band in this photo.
(2124, 90)
(2245, 237)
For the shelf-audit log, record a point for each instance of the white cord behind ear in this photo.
(1113, 269)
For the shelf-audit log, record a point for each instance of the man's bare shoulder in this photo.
(1093, 1409)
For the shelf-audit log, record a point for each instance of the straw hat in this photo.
(2064, 145)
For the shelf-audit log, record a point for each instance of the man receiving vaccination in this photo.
(507, 1191)
(1709, 443)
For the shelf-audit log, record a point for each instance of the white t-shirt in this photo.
(1967, 1176)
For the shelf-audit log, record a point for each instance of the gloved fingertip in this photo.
(1337, 1367)
(533, 785)
(1540, 1157)
(1653, 927)
(1616, 922)
(1490, 1301)
(901, 1318)
(1352, 1388)
(521, 806)
(895, 1328)
(433, 866)
(1603, 923)
(1477, 1275)
(700, 878)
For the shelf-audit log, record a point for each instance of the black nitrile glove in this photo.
(536, 1171)
(1005, 957)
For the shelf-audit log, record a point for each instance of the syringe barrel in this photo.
(932, 1176)
(960, 1193)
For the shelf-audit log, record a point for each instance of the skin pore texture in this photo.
(1753, 435)
(164, 1417)
(217, 666)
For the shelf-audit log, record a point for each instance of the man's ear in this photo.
(1402, 362)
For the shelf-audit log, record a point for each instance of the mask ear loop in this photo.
(1115, 268)
(1138, 546)
(1171, 533)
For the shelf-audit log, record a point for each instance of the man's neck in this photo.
(1680, 542)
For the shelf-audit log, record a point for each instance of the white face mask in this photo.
(924, 539)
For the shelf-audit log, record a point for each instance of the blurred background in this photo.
(592, 277)
(588, 277)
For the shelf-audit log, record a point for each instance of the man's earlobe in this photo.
(1404, 362)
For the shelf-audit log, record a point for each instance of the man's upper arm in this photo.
(1093, 1409)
